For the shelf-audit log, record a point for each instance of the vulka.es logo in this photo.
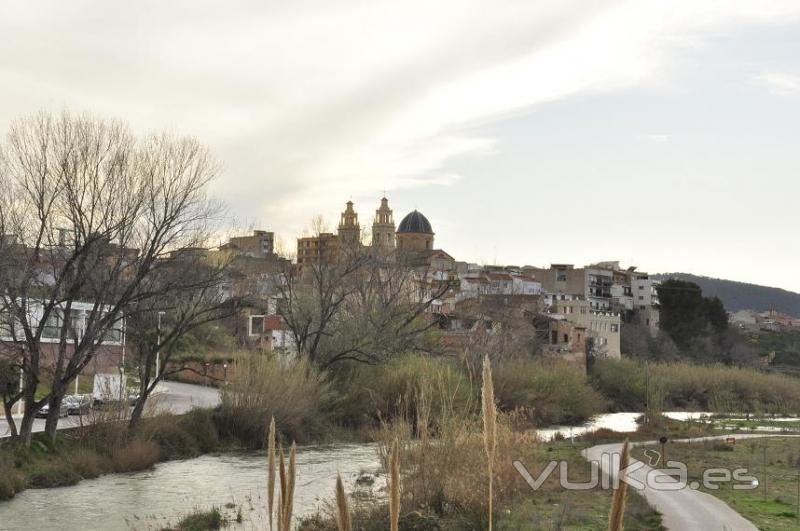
(639, 476)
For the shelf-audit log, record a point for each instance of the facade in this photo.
(349, 230)
(383, 230)
(258, 245)
(602, 326)
(320, 249)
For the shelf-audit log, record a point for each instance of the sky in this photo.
(663, 134)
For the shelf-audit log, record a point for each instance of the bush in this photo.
(552, 392)
(262, 387)
(10, 481)
(88, 463)
(55, 475)
(717, 388)
(374, 393)
(201, 521)
(136, 455)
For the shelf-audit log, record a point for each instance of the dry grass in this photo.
(617, 513)
(489, 415)
(262, 387)
(136, 455)
(343, 519)
(271, 471)
(394, 488)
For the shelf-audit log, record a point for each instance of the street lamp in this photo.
(158, 345)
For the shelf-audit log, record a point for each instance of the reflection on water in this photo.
(156, 498)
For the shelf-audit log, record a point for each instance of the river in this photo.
(156, 498)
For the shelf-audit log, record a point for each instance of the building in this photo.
(258, 245)
(415, 233)
(320, 249)
(602, 326)
(349, 230)
(383, 230)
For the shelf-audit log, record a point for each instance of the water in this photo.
(157, 498)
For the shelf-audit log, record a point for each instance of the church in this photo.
(413, 239)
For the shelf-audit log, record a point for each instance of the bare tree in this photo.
(191, 295)
(361, 306)
(89, 213)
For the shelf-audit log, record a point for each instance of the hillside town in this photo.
(574, 311)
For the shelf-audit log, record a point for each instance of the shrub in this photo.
(10, 481)
(201, 521)
(551, 392)
(88, 463)
(55, 475)
(136, 455)
(262, 387)
(716, 388)
(374, 393)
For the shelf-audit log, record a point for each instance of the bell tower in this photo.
(349, 229)
(383, 227)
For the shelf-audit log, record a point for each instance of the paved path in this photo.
(685, 509)
(171, 397)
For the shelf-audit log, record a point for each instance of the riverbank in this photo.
(102, 448)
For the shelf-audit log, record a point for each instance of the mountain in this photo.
(742, 296)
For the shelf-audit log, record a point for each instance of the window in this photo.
(256, 325)
(615, 328)
(554, 337)
(566, 338)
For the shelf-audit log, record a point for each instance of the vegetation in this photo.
(774, 462)
(91, 451)
(448, 461)
(90, 215)
(201, 521)
(682, 385)
(742, 296)
(295, 394)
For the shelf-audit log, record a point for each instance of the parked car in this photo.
(63, 411)
(78, 404)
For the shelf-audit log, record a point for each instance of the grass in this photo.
(201, 521)
(683, 385)
(774, 508)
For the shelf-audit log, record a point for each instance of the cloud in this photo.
(657, 138)
(781, 83)
(308, 103)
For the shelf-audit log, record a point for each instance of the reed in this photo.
(617, 513)
(343, 520)
(489, 414)
(394, 488)
(288, 502)
(271, 471)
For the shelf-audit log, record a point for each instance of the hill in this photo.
(742, 296)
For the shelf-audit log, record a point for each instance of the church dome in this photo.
(415, 222)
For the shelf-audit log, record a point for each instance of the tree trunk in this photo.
(136, 414)
(54, 414)
(12, 425)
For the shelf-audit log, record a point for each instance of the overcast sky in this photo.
(662, 134)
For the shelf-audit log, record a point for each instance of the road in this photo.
(170, 397)
(685, 509)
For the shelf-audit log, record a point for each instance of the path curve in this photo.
(685, 509)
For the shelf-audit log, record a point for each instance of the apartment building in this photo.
(602, 326)
(260, 244)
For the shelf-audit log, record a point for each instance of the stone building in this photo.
(383, 230)
(349, 230)
(415, 233)
(258, 245)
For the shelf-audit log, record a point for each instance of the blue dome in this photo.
(415, 222)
